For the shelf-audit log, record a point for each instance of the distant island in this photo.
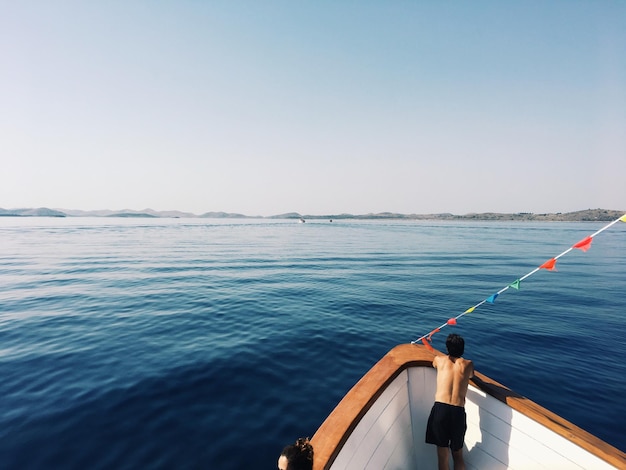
(587, 215)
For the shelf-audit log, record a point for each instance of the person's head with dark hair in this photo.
(298, 456)
(455, 345)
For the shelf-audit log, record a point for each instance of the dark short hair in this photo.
(299, 455)
(455, 345)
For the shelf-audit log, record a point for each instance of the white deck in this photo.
(391, 434)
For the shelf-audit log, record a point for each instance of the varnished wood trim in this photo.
(335, 430)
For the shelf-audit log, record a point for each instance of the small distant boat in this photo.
(381, 423)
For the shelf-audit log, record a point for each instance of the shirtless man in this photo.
(446, 424)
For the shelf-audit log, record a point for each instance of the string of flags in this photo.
(549, 265)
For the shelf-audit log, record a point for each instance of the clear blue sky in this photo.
(319, 107)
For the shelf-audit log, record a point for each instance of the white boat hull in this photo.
(381, 424)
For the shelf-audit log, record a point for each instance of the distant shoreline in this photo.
(588, 215)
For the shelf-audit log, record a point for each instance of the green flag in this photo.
(515, 285)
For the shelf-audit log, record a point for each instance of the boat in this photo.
(380, 424)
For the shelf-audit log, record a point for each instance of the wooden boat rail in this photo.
(335, 430)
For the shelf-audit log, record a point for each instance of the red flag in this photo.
(452, 321)
(584, 244)
(550, 265)
(427, 344)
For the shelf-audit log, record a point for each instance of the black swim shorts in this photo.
(446, 426)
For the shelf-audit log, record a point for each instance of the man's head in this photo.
(298, 456)
(455, 345)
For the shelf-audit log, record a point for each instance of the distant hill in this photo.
(126, 213)
(293, 215)
(41, 212)
(577, 216)
(134, 214)
(588, 215)
(224, 215)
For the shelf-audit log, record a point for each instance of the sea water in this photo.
(199, 343)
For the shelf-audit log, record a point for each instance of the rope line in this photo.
(549, 265)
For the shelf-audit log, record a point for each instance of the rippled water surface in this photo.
(198, 343)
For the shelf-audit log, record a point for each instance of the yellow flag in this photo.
(470, 310)
(623, 218)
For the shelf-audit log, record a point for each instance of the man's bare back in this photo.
(453, 375)
(447, 422)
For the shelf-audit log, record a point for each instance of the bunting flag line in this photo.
(550, 265)
(584, 244)
(492, 298)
